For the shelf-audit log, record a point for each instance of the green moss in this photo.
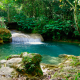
(5, 34)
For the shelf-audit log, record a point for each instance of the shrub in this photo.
(25, 24)
(2, 24)
(58, 29)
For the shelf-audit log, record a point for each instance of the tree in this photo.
(75, 8)
(10, 7)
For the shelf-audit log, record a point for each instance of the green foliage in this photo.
(58, 29)
(74, 77)
(76, 33)
(30, 67)
(8, 57)
(40, 23)
(24, 23)
(75, 61)
(50, 18)
(27, 59)
(2, 25)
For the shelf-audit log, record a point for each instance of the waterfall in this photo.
(18, 37)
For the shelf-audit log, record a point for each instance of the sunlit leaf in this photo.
(60, 0)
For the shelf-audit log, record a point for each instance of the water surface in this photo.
(52, 49)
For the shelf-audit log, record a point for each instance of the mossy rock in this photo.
(31, 64)
(5, 35)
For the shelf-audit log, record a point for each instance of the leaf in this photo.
(60, 0)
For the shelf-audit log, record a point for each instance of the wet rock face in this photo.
(5, 35)
(27, 64)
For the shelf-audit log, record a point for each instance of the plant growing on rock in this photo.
(75, 61)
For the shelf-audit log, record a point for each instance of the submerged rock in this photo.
(62, 55)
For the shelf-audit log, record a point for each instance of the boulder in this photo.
(62, 55)
(37, 36)
(31, 64)
(5, 35)
(31, 57)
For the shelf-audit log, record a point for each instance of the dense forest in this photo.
(24, 24)
(54, 19)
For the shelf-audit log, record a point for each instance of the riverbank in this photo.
(68, 69)
(67, 41)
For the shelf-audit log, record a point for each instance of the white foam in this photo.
(35, 43)
(18, 37)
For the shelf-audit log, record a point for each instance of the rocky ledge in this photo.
(27, 66)
(5, 35)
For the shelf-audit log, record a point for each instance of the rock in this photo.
(5, 35)
(31, 64)
(31, 57)
(1, 41)
(67, 68)
(2, 63)
(25, 64)
(8, 72)
(37, 36)
(62, 55)
(24, 54)
(4, 78)
(13, 56)
(27, 67)
(13, 62)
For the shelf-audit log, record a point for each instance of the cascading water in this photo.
(48, 50)
(18, 37)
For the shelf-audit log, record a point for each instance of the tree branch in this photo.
(70, 3)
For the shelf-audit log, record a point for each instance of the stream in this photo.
(49, 50)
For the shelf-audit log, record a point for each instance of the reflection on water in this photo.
(48, 49)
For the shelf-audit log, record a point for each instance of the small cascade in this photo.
(18, 37)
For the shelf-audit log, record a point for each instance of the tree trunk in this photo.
(75, 13)
(8, 14)
(75, 16)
